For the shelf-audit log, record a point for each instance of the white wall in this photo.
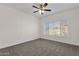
(72, 16)
(16, 27)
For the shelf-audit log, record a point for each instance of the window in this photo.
(55, 28)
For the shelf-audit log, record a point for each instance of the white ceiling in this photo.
(56, 7)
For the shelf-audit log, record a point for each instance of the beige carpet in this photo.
(41, 47)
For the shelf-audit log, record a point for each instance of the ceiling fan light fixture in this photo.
(41, 11)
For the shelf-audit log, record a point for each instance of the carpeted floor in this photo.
(41, 47)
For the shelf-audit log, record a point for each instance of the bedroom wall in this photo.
(16, 27)
(72, 16)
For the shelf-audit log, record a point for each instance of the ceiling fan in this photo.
(41, 8)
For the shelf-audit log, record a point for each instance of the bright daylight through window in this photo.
(56, 28)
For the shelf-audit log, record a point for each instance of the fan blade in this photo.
(47, 9)
(45, 4)
(35, 11)
(35, 7)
